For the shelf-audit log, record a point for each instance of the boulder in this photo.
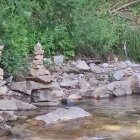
(14, 104)
(63, 114)
(118, 88)
(59, 59)
(20, 87)
(41, 96)
(82, 65)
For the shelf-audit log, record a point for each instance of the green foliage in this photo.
(62, 26)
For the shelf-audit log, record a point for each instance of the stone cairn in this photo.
(37, 71)
(3, 88)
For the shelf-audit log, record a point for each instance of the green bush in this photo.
(62, 26)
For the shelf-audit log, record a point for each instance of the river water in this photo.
(117, 119)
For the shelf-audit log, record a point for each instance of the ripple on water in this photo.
(112, 119)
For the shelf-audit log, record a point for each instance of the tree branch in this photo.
(123, 6)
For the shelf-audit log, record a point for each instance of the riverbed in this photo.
(118, 119)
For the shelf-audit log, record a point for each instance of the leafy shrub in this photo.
(62, 26)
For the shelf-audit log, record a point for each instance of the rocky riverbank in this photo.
(56, 82)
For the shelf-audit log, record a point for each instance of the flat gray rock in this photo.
(63, 114)
(14, 104)
(118, 74)
(82, 65)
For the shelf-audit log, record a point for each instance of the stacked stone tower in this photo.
(38, 72)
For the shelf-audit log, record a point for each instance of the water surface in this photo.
(117, 119)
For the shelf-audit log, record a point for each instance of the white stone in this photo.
(62, 114)
(75, 97)
(1, 72)
(105, 65)
(47, 60)
(1, 48)
(59, 59)
(82, 65)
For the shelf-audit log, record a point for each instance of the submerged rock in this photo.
(51, 103)
(63, 114)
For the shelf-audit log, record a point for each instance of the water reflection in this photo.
(117, 119)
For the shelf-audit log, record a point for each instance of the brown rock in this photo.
(39, 57)
(20, 87)
(35, 66)
(42, 79)
(39, 72)
(32, 85)
(38, 62)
